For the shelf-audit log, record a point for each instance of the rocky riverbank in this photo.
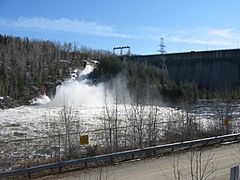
(7, 102)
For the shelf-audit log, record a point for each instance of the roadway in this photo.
(216, 162)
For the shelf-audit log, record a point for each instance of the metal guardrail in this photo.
(140, 152)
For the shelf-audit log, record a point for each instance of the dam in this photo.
(216, 69)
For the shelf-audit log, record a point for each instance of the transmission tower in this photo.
(162, 61)
(162, 46)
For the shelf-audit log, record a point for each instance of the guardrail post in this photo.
(29, 176)
(234, 173)
(140, 154)
(60, 170)
(154, 152)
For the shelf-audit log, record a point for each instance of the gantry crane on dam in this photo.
(121, 50)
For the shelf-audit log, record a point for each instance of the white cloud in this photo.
(63, 25)
(225, 33)
(219, 37)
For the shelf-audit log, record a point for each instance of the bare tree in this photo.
(194, 165)
(202, 166)
(66, 128)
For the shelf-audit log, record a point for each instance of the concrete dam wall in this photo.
(218, 69)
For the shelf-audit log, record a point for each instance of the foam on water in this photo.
(42, 99)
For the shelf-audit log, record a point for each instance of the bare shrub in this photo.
(194, 165)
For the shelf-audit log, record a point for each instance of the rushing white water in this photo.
(87, 101)
(79, 92)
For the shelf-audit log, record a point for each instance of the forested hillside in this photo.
(29, 67)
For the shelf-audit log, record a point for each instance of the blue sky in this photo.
(185, 25)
